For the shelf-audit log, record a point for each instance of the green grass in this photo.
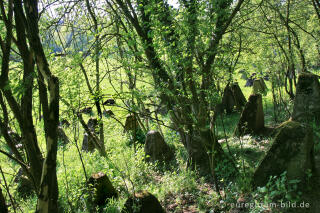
(176, 187)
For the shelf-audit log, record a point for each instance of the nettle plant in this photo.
(278, 189)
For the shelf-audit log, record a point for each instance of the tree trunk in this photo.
(23, 112)
(199, 142)
(48, 194)
(188, 97)
(202, 148)
(3, 206)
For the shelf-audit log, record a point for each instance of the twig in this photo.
(7, 188)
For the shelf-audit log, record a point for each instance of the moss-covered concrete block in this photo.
(291, 151)
(101, 188)
(156, 148)
(307, 101)
(233, 98)
(142, 202)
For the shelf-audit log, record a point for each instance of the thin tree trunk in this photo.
(48, 194)
(3, 205)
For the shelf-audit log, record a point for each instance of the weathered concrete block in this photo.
(142, 202)
(291, 151)
(156, 148)
(307, 101)
(252, 117)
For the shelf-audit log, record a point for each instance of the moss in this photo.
(291, 151)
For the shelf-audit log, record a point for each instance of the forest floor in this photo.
(253, 149)
(312, 196)
(178, 189)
